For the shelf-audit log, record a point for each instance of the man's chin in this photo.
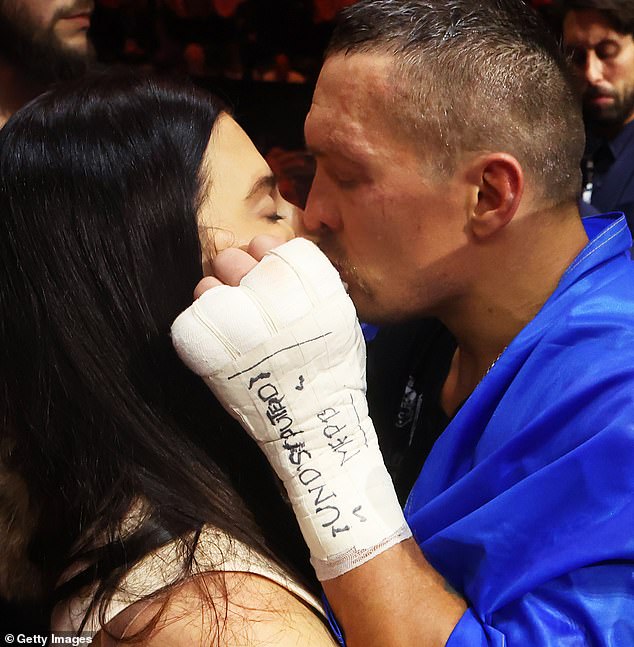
(78, 45)
(608, 115)
(72, 38)
(369, 310)
(603, 117)
(43, 56)
(65, 62)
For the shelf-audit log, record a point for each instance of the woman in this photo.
(146, 518)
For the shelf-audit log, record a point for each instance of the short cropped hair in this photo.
(474, 75)
(619, 13)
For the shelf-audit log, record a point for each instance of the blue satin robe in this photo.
(526, 502)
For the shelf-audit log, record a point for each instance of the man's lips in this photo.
(601, 99)
(598, 96)
(83, 17)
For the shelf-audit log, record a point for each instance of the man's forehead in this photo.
(350, 100)
(354, 75)
(337, 143)
(588, 25)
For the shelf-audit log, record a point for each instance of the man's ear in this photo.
(498, 180)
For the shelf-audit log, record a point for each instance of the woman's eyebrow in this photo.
(268, 182)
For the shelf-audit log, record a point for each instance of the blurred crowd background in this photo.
(260, 40)
(261, 56)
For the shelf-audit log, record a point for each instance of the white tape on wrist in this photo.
(284, 353)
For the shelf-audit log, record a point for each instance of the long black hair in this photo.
(100, 182)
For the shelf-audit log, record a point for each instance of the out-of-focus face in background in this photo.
(604, 61)
(46, 38)
(240, 197)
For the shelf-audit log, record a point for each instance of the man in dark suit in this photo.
(599, 34)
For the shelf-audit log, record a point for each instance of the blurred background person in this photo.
(282, 71)
(41, 41)
(599, 36)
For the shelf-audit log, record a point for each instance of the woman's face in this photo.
(241, 199)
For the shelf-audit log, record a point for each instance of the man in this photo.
(41, 41)
(447, 142)
(599, 35)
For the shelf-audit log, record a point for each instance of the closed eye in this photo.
(607, 50)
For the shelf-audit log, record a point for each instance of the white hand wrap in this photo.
(284, 353)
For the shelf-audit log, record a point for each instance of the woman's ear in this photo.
(499, 180)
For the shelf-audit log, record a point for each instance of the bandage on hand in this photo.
(284, 354)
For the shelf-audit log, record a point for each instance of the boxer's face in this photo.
(241, 199)
(393, 229)
(47, 38)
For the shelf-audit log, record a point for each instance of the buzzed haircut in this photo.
(475, 75)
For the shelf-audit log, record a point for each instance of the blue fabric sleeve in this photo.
(591, 606)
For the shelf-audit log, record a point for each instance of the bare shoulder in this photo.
(224, 609)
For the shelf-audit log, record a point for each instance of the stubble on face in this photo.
(614, 114)
(348, 270)
(36, 48)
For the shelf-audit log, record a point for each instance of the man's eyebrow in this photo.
(341, 154)
(268, 182)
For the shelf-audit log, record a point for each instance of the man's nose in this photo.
(593, 71)
(319, 214)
